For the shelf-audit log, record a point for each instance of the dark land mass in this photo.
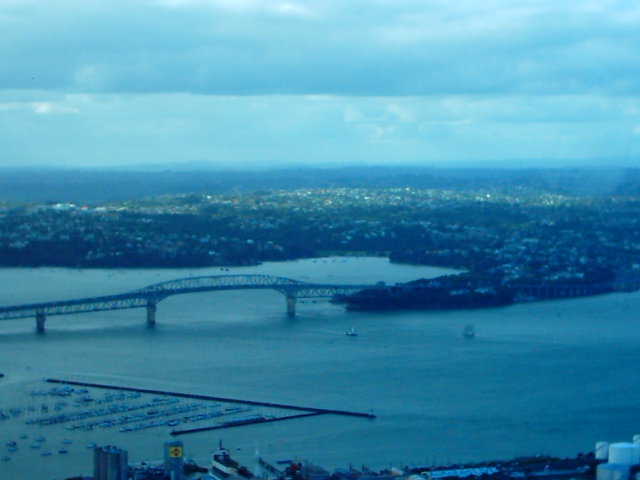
(98, 186)
(520, 234)
(451, 291)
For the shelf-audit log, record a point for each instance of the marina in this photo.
(127, 409)
(214, 398)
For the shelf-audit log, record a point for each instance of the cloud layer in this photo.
(407, 81)
(244, 47)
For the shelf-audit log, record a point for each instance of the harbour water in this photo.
(545, 377)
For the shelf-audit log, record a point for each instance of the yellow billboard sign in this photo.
(175, 452)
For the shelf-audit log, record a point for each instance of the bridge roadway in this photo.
(148, 297)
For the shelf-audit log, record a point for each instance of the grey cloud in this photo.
(277, 130)
(389, 48)
(266, 82)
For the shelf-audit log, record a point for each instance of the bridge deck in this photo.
(152, 294)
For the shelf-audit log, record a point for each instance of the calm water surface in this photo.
(546, 377)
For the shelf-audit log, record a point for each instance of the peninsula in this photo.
(518, 236)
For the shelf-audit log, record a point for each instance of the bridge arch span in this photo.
(159, 291)
(221, 282)
(149, 296)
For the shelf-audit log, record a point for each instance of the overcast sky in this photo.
(256, 83)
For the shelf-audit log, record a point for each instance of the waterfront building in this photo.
(174, 459)
(109, 463)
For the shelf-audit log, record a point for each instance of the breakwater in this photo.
(248, 421)
(214, 398)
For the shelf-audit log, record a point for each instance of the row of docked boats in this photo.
(105, 416)
(80, 415)
(189, 418)
(137, 417)
(79, 402)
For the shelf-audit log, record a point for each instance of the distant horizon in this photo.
(194, 166)
(91, 184)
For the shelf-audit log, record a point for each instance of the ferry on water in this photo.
(223, 467)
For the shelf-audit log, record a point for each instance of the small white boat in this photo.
(469, 331)
(351, 333)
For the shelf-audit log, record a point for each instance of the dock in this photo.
(252, 420)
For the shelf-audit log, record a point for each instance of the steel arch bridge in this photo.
(148, 297)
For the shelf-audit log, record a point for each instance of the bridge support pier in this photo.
(40, 319)
(151, 314)
(291, 305)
